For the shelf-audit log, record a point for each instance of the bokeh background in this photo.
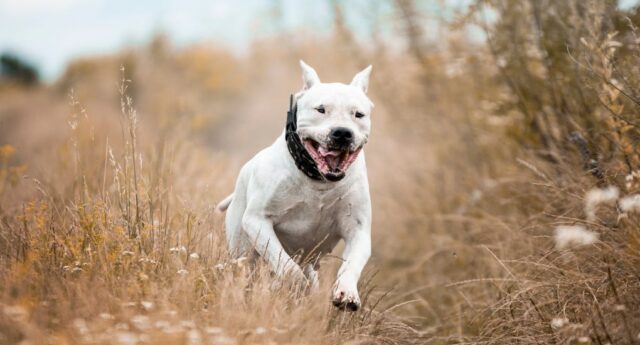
(503, 165)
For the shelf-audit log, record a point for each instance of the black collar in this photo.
(301, 157)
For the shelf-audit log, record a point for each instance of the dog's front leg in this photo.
(261, 234)
(356, 254)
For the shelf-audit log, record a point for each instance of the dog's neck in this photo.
(301, 157)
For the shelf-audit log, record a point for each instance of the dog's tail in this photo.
(224, 204)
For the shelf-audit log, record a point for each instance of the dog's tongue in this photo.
(332, 157)
(324, 152)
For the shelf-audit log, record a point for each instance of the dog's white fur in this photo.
(289, 219)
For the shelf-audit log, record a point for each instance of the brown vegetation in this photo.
(479, 153)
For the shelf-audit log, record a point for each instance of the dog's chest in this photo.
(308, 220)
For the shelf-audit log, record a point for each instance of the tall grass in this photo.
(504, 179)
(127, 248)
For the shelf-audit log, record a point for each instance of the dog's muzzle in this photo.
(318, 162)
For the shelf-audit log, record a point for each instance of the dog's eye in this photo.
(320, 109)
(359, 115)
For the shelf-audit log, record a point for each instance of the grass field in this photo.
(504, 179)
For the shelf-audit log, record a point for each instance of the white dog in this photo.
(297, 198)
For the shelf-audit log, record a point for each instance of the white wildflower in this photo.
(106, 316)
(129, 305)
(194, 337)
(619, 307)
(148, 261)
(194, 256)
(558, 322)
(584, 41)
(501, 62)
(181, 249)
(573, 235)
(16, 312)
(632, 180)
(614, 44)
(127, 338)
(214, 330)
(173, 329)
(598, 196)
(122, 326)
(141, 322)
(223, 340)
(81, 326)
(476, 195)
(630, 203)
(147, 305)
(162, 324)
(188, 324)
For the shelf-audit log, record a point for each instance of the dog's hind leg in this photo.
(312, 275)
(237, 240)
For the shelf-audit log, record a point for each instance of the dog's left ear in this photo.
(361, 80)
(309, 76)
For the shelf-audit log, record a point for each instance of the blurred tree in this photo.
(560, 63)
(15, 69)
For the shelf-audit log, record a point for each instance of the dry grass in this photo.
(126, 247)
(478, 155)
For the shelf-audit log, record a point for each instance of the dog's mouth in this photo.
(331, 162)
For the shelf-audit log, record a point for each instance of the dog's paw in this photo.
(345, 298)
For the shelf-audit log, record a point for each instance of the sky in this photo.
(50, 33)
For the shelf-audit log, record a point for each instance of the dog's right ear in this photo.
(309, 76)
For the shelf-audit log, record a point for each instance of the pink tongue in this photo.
(333, 162)
(325, 152)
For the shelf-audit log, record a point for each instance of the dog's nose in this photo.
(341, 135)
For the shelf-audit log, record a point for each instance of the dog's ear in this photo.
(309, 76)
(361, 80)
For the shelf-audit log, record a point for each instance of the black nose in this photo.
(341, 135)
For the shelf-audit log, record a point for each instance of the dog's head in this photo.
(334, 120)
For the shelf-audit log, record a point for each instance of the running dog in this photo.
(296, 199)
